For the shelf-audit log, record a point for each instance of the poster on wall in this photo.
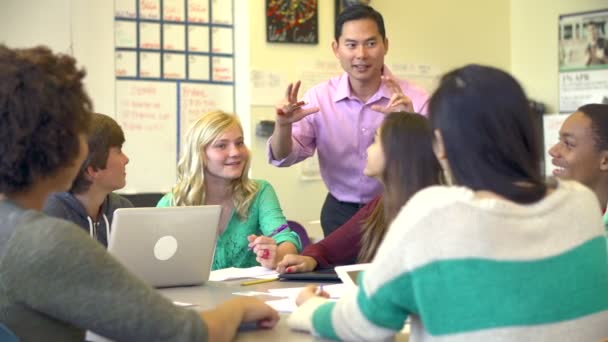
(291, 21)
(583, 59)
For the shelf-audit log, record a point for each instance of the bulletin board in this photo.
(174, 61)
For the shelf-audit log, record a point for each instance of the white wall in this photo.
(83, 29)
(534, 44)
(25, 23)
(447, 33)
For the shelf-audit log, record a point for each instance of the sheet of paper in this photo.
(257, 272)
(287, 305)
(250, 293)
(335, 291)
(283, 305)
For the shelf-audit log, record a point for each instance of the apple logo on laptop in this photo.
(165, 248)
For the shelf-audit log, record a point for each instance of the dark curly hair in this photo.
(104, 134)
(43, 109)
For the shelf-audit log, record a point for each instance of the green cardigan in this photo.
(265, 215)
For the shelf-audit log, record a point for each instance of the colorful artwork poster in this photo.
(292, 21)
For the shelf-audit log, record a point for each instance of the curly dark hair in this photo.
(43, 109)
(104, 134)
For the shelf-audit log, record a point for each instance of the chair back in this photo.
(301, 231)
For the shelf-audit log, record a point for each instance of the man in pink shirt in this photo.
(339, 117)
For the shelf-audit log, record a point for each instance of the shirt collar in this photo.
(343, 90)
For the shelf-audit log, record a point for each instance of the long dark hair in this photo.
(407, 143)
(489, 134)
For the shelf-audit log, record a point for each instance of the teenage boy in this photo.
(90, 202)
(582, 151)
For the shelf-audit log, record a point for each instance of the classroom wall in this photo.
(534, 45)
(82, 29)
(447, 33)
(438, 32)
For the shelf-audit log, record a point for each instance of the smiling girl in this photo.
(214, 170)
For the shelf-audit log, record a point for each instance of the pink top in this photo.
(342, 131)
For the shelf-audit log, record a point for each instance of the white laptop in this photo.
(171, 246)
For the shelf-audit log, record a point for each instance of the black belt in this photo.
(352, 204)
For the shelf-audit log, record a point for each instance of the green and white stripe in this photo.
(471, 269)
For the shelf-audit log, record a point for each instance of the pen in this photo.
(319, 290)
(258, 281)
(278, 230)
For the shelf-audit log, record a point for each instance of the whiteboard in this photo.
(174, 61)
(149, 9)
(198, 11)
(146, 111)
(125, 8)
(222, 40)
(221, 12)
(197, 99)
(173, 10)
(149, 64)
(174, 37)
(198, 68)
(223, 70)
(198, 38)
(125, 34)
(126, 63)
(149, 36)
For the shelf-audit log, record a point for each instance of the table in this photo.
(214, 293)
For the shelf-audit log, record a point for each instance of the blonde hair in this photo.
(190, 186)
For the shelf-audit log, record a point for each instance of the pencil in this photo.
(258, 281)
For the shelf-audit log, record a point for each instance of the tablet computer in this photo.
(318, 275)
(349, 274)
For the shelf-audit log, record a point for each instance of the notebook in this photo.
(318, 275)
(165, 247)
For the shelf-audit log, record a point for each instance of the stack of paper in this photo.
(288, 303)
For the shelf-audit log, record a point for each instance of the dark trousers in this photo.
(335, 213)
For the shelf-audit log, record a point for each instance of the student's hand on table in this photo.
(399, 102)
(224, 320)
(310, 291)
(290, 110)
(255, 310)
(265, 249)
(293, 263)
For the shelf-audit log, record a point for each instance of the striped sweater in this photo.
(463, 268)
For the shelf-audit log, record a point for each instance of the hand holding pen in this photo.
(265, 247)
(310, 292)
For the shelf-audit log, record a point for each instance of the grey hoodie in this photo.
(56, 282)
(66, 206)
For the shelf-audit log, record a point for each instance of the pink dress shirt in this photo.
(342, 131)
